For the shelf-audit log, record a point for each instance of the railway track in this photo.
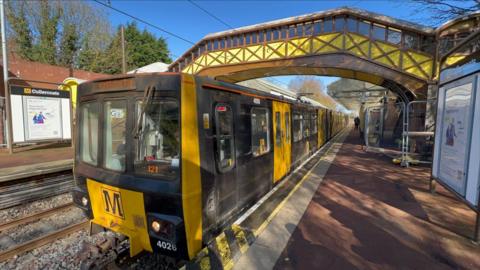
(26, 190)
(43, 239)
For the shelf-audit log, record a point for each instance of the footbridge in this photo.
(344, 42)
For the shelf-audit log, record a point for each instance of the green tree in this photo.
(22, 38)
(46, 48)
(68, 45)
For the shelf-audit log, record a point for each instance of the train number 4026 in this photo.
(166, 245)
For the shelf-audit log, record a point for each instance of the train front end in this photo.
(128, 163)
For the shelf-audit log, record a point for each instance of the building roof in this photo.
(31, 73)
(153, 67)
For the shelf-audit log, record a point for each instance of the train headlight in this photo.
(156, 226)
(84, 201)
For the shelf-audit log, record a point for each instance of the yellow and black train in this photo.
(169, 159)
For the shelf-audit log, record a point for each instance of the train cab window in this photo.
(260, 131)
(225, 140)
(297, 127)
(287, 126)
(314, 123)
(158, 140)
(89, 132)
(278, 129)
(114, 126)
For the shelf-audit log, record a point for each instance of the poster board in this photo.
(457, 154)
(40, 114)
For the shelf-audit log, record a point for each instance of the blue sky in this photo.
(188, 21)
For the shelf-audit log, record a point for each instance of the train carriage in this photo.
(169, 159)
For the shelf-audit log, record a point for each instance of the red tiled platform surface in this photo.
(371, 214)
(35, 156)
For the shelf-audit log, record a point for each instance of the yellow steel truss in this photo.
(392, 56)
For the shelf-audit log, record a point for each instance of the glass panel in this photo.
(114, 126)
(287, 126)
(240, 40)
(297, 127)
(247, 39)
(306, 125)
(276, 34)
(278, 129)
(261, 36)
(339, 24)
(158, 143)
(229, 42)
(378, 32)
(308, 29)
(235, 41)
(394, 36)
(89, 132)
(411, 41)
(351, 25)
(222, 43)
(225, 142)
(210, 45)
(317, 29)
(260, 132)
(364, 28)
(327, 25)
(291, 31)
(283, 32)
(254, 37)
(314, 123)
(299, 30)
(269, 35)
(215, 44)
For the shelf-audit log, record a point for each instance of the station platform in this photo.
(358, 210)
(35, 162)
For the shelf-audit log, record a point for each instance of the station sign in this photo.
(456, 161)
(40, 114)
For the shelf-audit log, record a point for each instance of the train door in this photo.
(225, 156)
(282, 145)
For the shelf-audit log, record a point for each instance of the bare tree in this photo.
(312, 87)
(444, 10)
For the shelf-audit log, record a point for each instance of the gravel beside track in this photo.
(20, 211)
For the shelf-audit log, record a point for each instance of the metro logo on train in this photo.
(112, 203)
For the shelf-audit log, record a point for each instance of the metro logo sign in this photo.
(112, 203)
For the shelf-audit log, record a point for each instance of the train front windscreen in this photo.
(154, 139)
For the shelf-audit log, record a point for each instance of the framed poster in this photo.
(43, 118)
(455, 136)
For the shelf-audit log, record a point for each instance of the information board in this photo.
(456, 161)
(40, 114)
(456, 125)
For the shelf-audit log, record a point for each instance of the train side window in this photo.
(260, 131)
(89, 132)
(297, 127)
(114, 126)
(278, 129)
(287, 126)
(225, 140)
(306, 125)
(314, 124)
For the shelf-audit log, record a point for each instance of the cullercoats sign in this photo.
(40, 114)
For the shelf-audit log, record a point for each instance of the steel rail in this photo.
(42, 240)
(35, 217)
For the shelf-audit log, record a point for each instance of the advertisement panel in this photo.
(456, 124)
(40, 114)
(43, 118)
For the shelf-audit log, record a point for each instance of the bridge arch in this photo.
(343, 42)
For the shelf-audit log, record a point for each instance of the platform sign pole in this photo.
(8, 124)
(476, 236)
